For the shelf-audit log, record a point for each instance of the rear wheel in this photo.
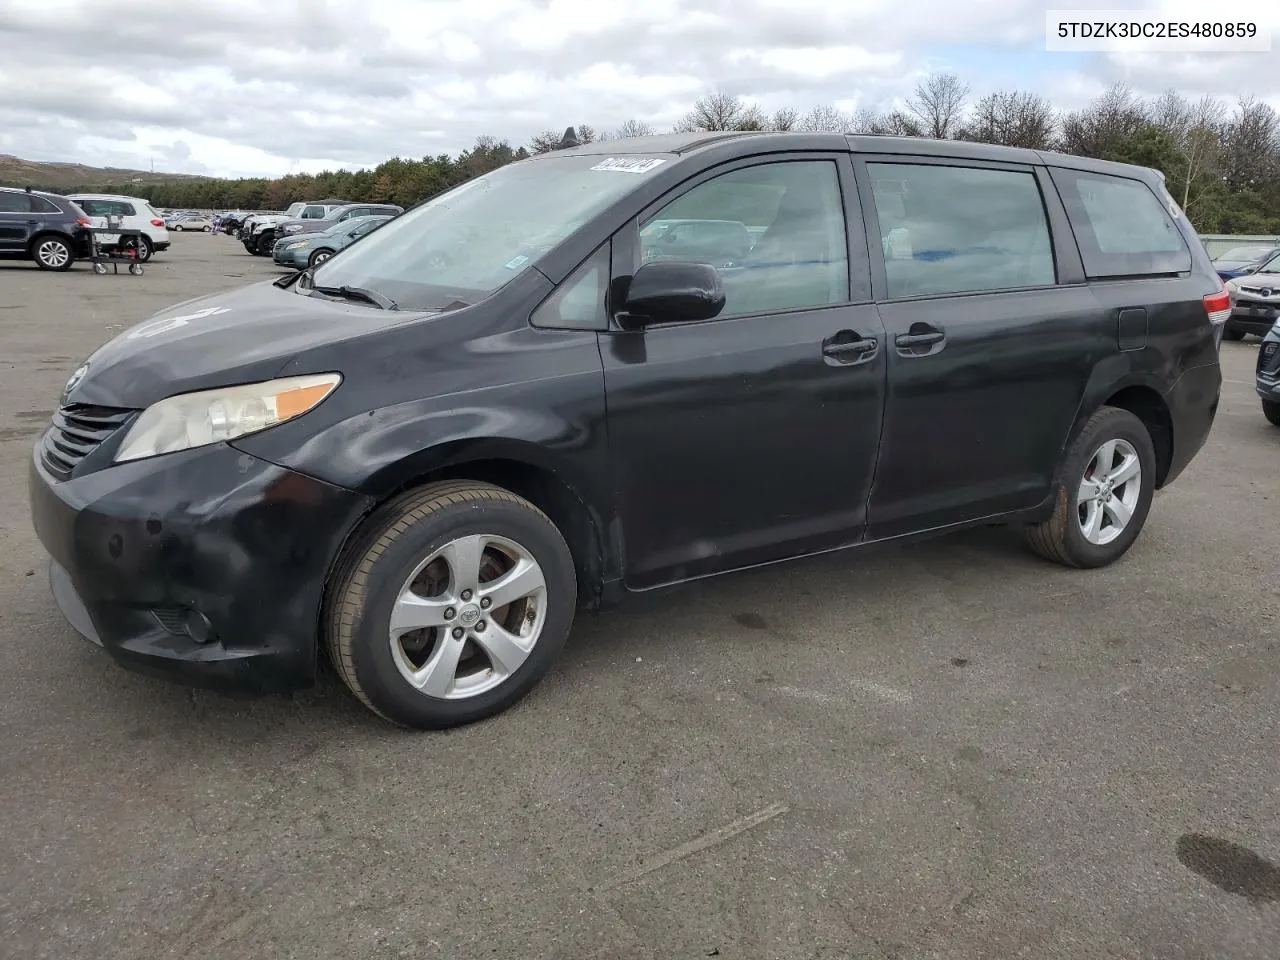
(450, 605)
(207, 228)
(1271, 410)
(1103, 493)
(52, 253)
(145, 249)
(319, 257)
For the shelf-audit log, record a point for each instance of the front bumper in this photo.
(206, 566)
(1267, 380)
(1253, 316)
(297, 259)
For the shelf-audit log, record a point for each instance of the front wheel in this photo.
(177, 228)
(1102, 495)
(450, 605)
(319, 257)
(1271, 410)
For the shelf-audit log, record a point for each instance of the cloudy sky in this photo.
(252, 88)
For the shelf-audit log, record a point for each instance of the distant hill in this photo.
(53, 176)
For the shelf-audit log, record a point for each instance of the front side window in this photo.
(466, 243)
(775, 231)
(1123, 228)
(948, 229)
(579, 303)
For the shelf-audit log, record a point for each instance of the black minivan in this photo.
(515, 401)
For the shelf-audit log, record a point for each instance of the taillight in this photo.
(157, 223)
(85, 222)
(1218, 306)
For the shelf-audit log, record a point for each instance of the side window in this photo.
(126, 209)
(579, 303)
(960, 229)
(92, 207)
(775, 231)
(313, 213)
(1122, 226)
(14, 202)
(41, 205)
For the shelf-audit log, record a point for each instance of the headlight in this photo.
(294, 245)
(292, 228)
(213, 416)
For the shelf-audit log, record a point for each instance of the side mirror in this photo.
(673, 291)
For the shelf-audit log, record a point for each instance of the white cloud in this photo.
(247, 89)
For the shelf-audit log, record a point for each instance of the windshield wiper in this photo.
(362, 294)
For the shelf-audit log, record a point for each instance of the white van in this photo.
(135, 214)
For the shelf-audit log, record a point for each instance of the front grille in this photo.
(1269, 359)
(78, 429)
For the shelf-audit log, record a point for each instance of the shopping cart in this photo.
(114, 245)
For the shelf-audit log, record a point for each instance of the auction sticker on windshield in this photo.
(630, 164)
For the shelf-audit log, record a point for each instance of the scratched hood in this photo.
(242, 336)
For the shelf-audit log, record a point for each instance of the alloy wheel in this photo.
(468, 617)
(1109, 491)
(53, 253)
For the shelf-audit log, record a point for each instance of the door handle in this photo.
(918, 339)
(847, 347)
(921, 340)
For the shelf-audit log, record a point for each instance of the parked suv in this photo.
(1268, 374)
(293, 228)
(261, 238)
(425, 454)
(45, 227)
(1255, 300)
(135, 214)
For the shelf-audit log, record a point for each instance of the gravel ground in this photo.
(949, 750)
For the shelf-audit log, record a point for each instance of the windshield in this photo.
(468, 242)
(1271, 266)
(1244, 254)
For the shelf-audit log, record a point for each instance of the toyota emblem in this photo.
(76, 377)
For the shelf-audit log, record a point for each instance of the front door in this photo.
(989, 351)
(750, 437)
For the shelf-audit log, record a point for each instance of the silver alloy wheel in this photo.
(321, 257)
(468, 617)
(1109, 491)
(53, 253)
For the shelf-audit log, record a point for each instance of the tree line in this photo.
(1221, 161)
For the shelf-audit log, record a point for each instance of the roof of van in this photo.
(686, 143)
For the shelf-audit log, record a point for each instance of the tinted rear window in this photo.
(1122, 226)
(41, 205)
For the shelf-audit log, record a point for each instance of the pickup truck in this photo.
(260, 235)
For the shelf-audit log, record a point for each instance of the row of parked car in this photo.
(53, 230)
(1252, 276)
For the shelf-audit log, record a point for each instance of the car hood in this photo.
(304, 226)
(243, 336)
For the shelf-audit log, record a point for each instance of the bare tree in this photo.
(938, 105)
(586, 133)
(895, 123)
(721, 111)
(1197, 129)
(784, 120)
(1103, 127)
(825, 119)
(1251, 145)
(1013, 119)
(629, 128)
(549, 140)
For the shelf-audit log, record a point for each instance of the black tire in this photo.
(383, 554)
(207, 229)
(1271, 410)
(177, 228)
(52, 252)
(1231, 333)
(145, 249)
(1060, 538)
(264, 244)
(318, 257)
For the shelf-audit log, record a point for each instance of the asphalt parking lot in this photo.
(948, 750)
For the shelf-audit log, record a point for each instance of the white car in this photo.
(135, 214)
(194, 222)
